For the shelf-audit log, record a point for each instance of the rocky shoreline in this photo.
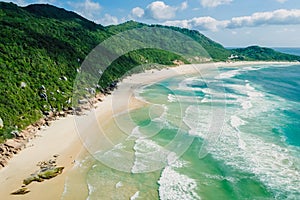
(21, 139)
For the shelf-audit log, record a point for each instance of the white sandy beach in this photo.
(62, 136)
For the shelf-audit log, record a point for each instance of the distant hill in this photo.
(262, 53)
(42, 48)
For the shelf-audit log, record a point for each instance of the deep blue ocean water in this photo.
(289, 50)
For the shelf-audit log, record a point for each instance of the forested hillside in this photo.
(42, 48)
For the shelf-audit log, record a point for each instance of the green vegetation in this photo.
(42, 48)
(262, 53)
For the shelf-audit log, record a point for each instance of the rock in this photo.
(70, 112)
(50, 173)
(3, 162)
(14, 144)
(26, 133)
(64, 78)
(44, 96)
(42, 87)
(21, 191)
(92, 91)
(23, 85)
(178, 62)
(39, 123)
(15, 133)
(48, 113)
(31, 179)
(83, 101)
(48, 123)
(1, 123)
(47, 171)
(69, 101)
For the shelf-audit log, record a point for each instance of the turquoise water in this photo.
(231, 134)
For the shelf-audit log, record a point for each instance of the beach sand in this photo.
(62, 136)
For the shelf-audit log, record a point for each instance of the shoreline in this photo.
(62, 136)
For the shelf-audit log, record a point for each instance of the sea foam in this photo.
(173, 185)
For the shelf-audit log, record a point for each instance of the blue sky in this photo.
(233, 23)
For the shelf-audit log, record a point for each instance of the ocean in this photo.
(231, 133)
(289, 50)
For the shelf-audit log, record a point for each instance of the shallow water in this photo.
(232, 134)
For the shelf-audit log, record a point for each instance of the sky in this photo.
(233, 23)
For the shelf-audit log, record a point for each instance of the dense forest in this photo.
(42, 48)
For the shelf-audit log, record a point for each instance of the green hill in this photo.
(262, 53)
(42, 48)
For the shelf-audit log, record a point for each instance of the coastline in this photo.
(62, 137)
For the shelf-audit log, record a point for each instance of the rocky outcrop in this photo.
(8, 149)
(48, 169)
(21, 191)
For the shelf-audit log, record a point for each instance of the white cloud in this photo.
(137, 12)
(277, 17)
(47, 1)
(184, 5)
(108, 20)
(281, 1)
(87, 8)
(160, 11)
(214, 3)
(18, 2)
(180, 23)
(200, 23)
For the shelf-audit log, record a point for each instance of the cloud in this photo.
(184, 5)
(281, 1)
(160, 11)
(87, 8)
(200, 23)
(108, 20)
(47, 1)
(277, 17)
(137, 12)
(214, 3)
(18, 2)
